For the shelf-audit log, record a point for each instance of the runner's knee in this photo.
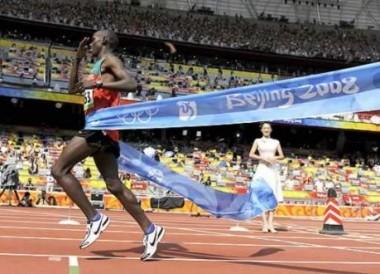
(57, 171)
(114, 186)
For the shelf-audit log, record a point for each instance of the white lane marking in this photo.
(182, 259)
(55, 259)
(73, 261)
(191, 233)
(356, 250)
(279, 236)
(347, 237)
(114, 224)
(212, 233)
(139, 242)
(81, 230)
(185, 243)
(161, 217)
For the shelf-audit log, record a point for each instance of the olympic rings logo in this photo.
(142, 117)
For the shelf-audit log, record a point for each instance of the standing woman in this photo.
(269, 154)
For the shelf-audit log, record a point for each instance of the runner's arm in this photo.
(124, 82)
(74, 74)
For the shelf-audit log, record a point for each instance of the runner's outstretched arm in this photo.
(74, 74)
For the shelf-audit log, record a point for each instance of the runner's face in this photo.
(266, 130)
(96, 44)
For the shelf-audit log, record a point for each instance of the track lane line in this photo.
(10, 237)
(182, 259)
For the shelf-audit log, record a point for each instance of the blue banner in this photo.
(349, 90)
(260, 198)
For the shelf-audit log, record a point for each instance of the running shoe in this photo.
(94, 230)
(151, 242)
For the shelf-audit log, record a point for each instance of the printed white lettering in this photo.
(322, 89)
(349, 85)
(233, 101)
(259, 98)
(335, 87)
(309, 92)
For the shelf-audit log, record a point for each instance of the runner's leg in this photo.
(106, 163)
(74, 152)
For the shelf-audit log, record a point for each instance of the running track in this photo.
(32, 242)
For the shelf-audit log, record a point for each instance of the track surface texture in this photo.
(32, 241)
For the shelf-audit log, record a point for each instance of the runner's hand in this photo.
(82, 86)
(171, 47)
(82, 48)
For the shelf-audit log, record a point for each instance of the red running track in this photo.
(32, 242)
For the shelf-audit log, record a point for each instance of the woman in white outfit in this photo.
(269, 153)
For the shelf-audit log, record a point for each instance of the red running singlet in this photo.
(98, 98)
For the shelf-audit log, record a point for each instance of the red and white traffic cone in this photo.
(332, 223)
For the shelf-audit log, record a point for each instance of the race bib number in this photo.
(88, 95)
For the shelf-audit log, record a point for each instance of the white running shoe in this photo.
(151, 241)
(94, 229)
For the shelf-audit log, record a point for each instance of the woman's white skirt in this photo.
(271, 175)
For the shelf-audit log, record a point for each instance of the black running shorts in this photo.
(101, 141)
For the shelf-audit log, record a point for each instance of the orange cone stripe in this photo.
(333, 214)
(332, 208)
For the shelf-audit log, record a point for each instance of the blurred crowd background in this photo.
(307, 40)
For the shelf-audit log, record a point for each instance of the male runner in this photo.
(101, 90)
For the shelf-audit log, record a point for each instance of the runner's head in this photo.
(103, 40)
